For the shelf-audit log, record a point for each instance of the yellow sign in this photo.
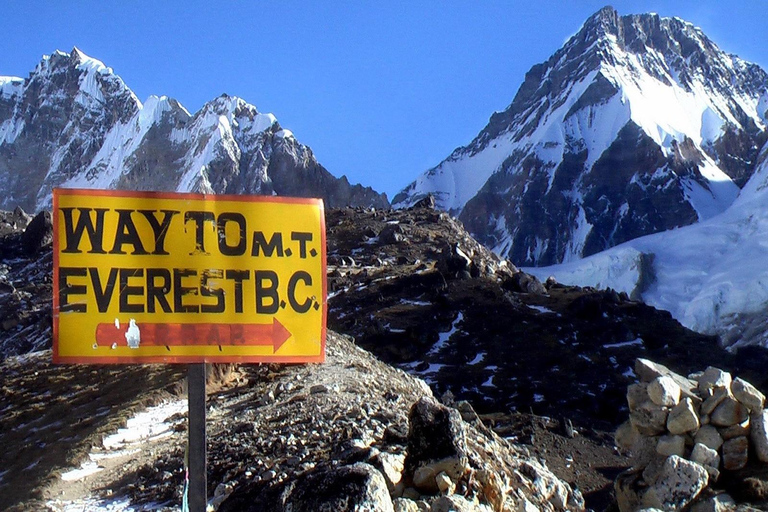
(182, 278)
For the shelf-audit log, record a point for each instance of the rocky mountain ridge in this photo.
(74, 123)
(638, 124)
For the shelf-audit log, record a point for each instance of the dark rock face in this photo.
(346, 489)
(26, 266)
(38, 234)
(436, 433)
(73, 122)
(580, 161)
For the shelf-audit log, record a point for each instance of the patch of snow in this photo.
(478, 358)
(86, 469)
(638, 341)
(148, 424)
(445, 336)
(541, 309)
(415, 302)
(489, 382)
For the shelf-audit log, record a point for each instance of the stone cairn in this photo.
(683, 432)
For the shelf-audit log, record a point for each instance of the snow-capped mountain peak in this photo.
(74, 123)
(637, 124)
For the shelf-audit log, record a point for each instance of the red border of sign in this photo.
(184, 359)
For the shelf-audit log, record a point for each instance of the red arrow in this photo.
(168, 335)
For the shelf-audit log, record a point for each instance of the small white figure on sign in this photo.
(133, 336)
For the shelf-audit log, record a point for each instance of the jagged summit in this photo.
(74, 123)
(637, 124)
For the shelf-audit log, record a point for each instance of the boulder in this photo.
(436, 443)
(740, 429)
(735, 453)
(664, 391)
(706, 456)
(715, 398)
(39, 233)
(405, 505)
(391, 234)
(647, 370)
(637, 393)
(709, 437)
(678, 484)
(347, 488)
(759, 435)
(729, 412)
(671, 445)
(522, 282)
(714, 378)
(722, 502)
(748, 395)
(649, 419)
(683, 418)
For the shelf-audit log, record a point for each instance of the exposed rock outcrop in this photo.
(683, 446)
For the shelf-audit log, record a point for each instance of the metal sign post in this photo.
(197, 449)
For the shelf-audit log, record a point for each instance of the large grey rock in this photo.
(436, 443)
(740, 429)
(683, 418)
(707, 457)
(646, 370)
(709, 437)
(714, 378)
(729, 412)
(722, 502)
(663, 390)
(356, 488)
(637, 393)
(748, 395)
(715, 397)
(671, 445)
(735, 453)
(678, 484)
(759, 434)
(648, 418)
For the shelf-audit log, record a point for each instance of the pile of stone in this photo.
(683, 432)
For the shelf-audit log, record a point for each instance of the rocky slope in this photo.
(74, 123)
(306, 437)
(414, 288)
(638, 124)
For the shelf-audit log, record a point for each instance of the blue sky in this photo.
(381, 91)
